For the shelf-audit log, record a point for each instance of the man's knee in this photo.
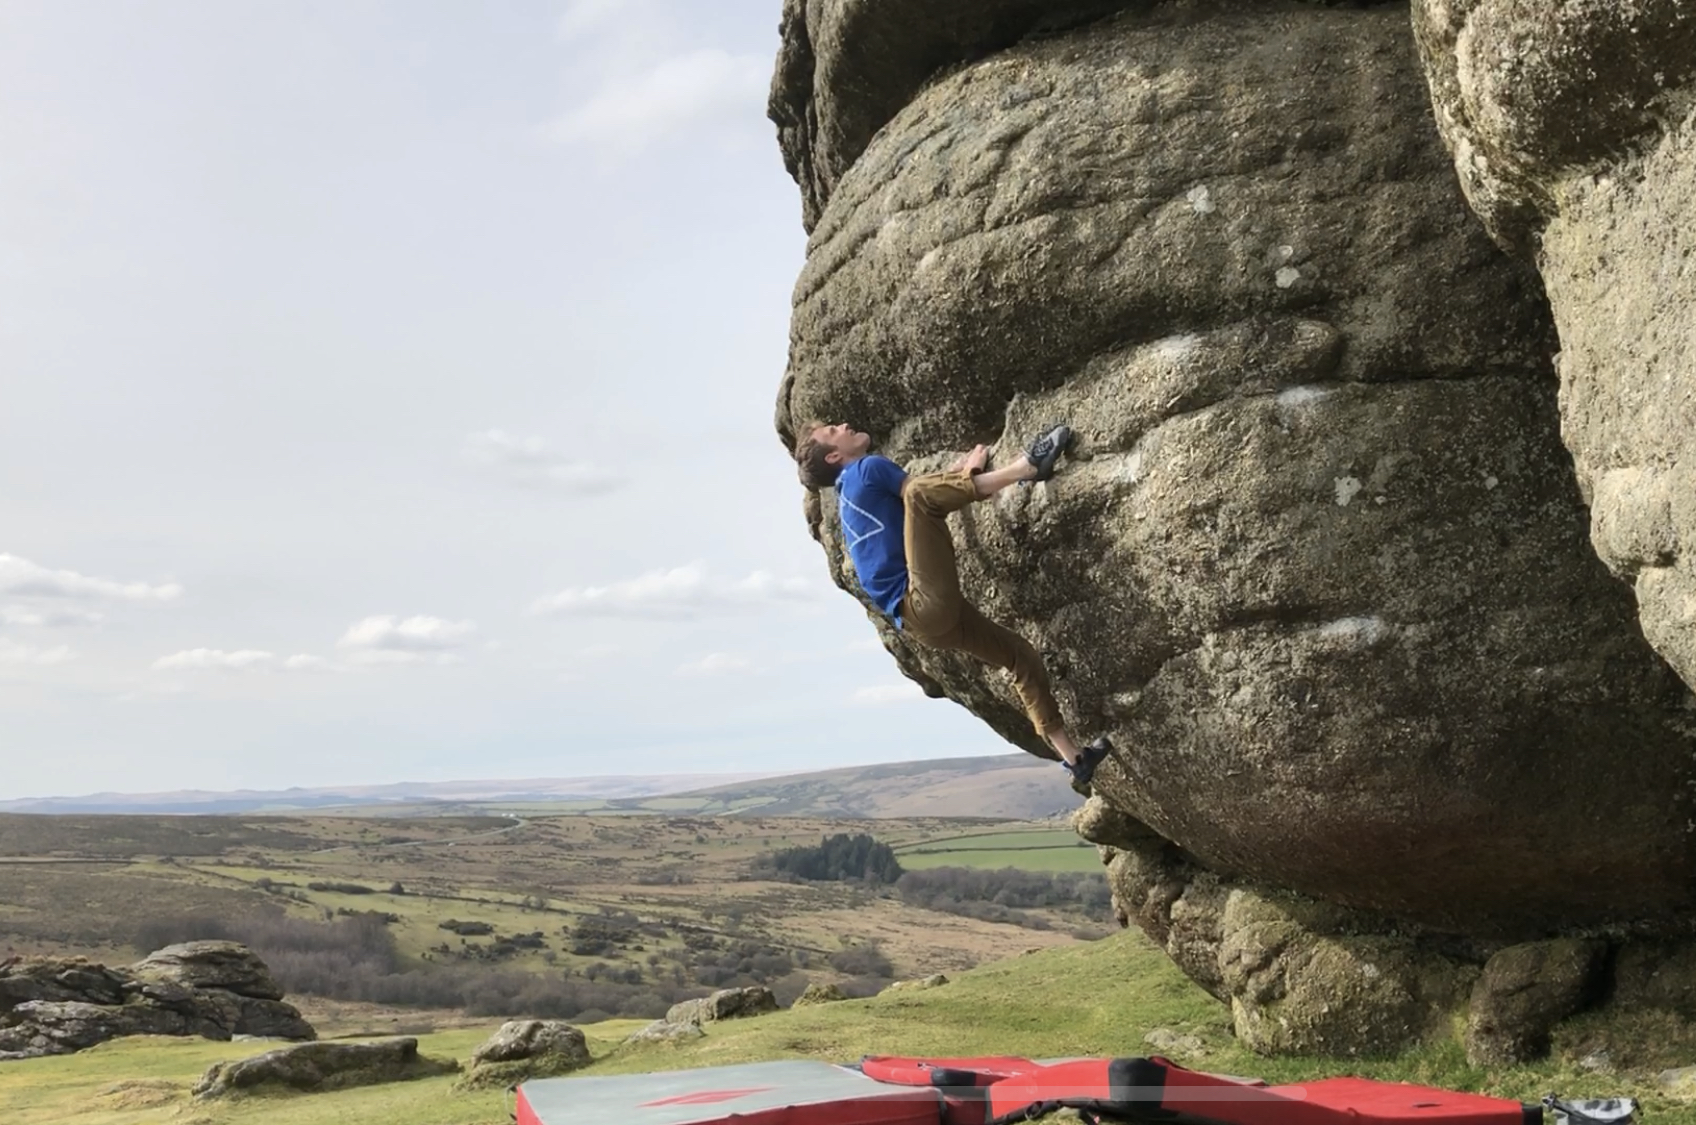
(938, 494)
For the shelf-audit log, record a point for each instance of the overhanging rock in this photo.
(1320, 566)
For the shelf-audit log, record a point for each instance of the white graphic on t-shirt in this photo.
(855, 540)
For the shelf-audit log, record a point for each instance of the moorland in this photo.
(576, 917)
(440, 927)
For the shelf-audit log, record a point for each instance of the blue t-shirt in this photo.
(874, 520)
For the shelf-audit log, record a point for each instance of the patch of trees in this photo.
(600, 935)
(342, 888)
(839, 858)
(738, 964)
(1005, 895)
(498, 950)
(466, 929)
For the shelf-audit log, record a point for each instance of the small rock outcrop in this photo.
(815, 994)
(684, 1020)
(1680, 1082)
(1523, 992)
(222, 965)
(663, 1031)
(1573, 128)
(725, 1004)
(212, 989)
(1175, 1044)
(935, 980)
(526, 1049)
(316, 1067)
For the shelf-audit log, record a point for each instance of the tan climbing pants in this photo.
(935, 612)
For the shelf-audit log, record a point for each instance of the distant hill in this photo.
(1003, 787)
(405, 793)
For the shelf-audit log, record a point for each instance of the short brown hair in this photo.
(810, 459)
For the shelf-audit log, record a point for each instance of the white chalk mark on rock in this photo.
(1174, 349)
(1354, 630)
(1302, 396)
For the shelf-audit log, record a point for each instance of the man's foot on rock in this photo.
(1088, 758)
(1046, 450)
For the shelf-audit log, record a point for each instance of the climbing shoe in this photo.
(1088, 758)
(1046, 450)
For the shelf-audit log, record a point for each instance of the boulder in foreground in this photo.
(312, 1067)
(725, 1004)
(819, 994)
(664, 1031)
(213, 989)
(525, 1049)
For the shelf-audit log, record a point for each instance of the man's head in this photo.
(823, 449)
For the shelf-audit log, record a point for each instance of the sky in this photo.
(386, 395)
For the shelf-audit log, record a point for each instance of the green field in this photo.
(1100, 999)
(1035, 849)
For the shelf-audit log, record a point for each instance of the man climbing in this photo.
(896, 530)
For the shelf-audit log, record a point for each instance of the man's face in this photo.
(844, 441)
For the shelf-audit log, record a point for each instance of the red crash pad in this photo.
(1156, 1088)
(1349, 1100)
(798, 1092)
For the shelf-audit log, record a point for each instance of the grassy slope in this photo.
(1088, 999)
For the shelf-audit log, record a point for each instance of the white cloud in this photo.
(716, 664)
(22, 578)
(55, 618)
(699, 89)
(216, 659)
(13, 653)
(880, 694)
(406, 640)
(241, 660)
(681, 593)
(529, 462)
